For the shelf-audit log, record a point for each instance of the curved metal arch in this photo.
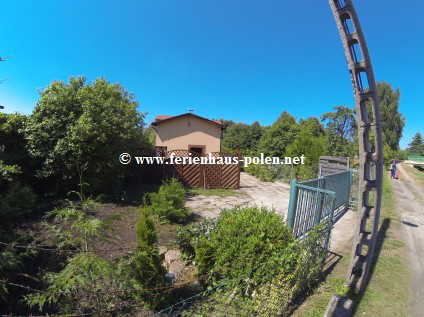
(370, 153)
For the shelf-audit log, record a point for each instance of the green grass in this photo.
(220, 192)
(416, 174)
(388, 291)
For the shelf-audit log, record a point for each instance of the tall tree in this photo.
(80, 128)
(279, 136)
(416, 147)
(392, 121)
(341, 127)
(241, 136)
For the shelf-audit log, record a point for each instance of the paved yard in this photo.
(252, 192)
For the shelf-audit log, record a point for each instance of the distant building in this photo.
(188, 132)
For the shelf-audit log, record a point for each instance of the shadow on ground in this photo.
(381, 236)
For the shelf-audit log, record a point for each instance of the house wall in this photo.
(179, 133)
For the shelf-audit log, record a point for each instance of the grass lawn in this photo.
(388, 290)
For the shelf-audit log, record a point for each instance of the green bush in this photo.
(146, 233)
(243, 241)
(263, 269)
(143, 269)
(299, 270)
(168, 203)
(188, 237)
(264, 172)
(18, 201)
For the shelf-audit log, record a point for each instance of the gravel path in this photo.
(410, 203)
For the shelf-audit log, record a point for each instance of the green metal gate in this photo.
(317, 200)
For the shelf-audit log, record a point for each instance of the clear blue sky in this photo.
(243, 60)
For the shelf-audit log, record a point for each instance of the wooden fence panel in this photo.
(225, 175)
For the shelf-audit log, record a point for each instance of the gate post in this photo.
(291, 215)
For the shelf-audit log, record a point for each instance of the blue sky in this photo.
(243, 60)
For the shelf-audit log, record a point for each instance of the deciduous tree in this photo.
(341, 128)
(392, 121)
(279, 136)
(78, 124)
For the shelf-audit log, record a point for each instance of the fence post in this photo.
(292, 204)
(318, 214)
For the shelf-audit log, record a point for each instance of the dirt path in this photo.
(410, 204)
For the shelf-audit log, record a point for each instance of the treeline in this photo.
(333, 133)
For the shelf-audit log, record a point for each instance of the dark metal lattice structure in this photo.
(370, 153)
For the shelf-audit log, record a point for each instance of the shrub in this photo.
(299, 270)
(188, 237)
(244, 240)
(143, 270)
(168, 203)
(263, 172)
(146, 233)
(18, 201)
(267, 283)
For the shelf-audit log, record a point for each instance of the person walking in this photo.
(393, 170)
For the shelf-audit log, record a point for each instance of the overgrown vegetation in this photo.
(252, 252)
(169, 202)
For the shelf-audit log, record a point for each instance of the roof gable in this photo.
(164, 118)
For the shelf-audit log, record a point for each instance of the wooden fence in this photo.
(204, 175)
(333, 164)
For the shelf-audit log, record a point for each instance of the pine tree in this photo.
(416, 147)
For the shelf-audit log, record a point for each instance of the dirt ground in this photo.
(410, 204)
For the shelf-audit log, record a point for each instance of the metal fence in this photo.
(415, 158)
(318, 200)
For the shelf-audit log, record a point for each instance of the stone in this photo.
(177, 267)
(162, 251)
(172, 255)
(339, 306)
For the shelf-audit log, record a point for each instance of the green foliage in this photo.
(146, 233)
(90, 283)
(388, 154)
(169, 202)
(77, 226)
(142, 270)
(12, 144)
(279, 136)
(416, 147)
(252, 252)
(7, 174)
(264, 172)
(87, 125)
(340, 132)
(310, 142)
(392, 121)
(299, 270)
(82, 285)
(241, 242)
(241, 136)
(188, 237)
(17, 202)
(11, 261)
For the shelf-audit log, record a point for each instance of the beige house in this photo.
(188, 132)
